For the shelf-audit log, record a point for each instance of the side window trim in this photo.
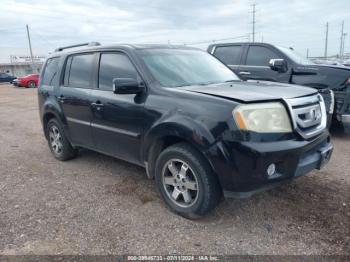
(68, 62)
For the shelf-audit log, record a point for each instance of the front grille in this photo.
(309, 117)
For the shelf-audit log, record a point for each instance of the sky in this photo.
(299, 24)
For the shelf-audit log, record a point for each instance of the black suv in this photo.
(179, 112)
(262, 61)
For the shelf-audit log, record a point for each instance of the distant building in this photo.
(21, 65)
(20, 69)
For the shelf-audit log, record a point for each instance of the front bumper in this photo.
(242, 166)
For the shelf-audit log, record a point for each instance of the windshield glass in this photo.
(294, 56)
(174, 68)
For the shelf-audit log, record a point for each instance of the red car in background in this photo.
(30, 81)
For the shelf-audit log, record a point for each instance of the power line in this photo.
(217, 40)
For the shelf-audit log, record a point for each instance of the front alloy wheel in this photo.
(180, 183)
(186, 182)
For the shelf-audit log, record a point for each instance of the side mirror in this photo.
(127, 86)
(278, 65)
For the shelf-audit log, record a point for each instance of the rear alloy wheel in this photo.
(186, 181)
(31, 84)
(58, 143)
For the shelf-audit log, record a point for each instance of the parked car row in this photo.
(29, 81)
(198, 129)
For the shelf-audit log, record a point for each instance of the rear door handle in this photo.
(98, 105)
(244, 73)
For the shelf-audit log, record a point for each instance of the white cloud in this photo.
(296, 23)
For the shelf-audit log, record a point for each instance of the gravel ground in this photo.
(95, 204)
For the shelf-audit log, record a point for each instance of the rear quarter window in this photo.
(229, 55)
(50, 75)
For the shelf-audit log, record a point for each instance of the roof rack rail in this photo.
(78, 45)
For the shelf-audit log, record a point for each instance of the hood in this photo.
(341, 67)
(317, 67)
(252, 91)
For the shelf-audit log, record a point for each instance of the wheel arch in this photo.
(170, 133)
(51, 111)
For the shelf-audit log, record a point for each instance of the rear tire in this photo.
(58, 142)
(186, 181)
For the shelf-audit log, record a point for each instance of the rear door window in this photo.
(260, 56)
(229, 55)
(51, 71)
(114, 65)
(79, 71)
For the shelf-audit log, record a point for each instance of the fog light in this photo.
(271, 170)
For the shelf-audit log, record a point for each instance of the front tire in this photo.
(186, 181)
(58, 142)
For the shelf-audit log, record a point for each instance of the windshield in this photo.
(294, 56)
(174, 68)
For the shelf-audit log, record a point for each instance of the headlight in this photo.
(263, 118)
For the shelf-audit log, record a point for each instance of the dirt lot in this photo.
(99, 205)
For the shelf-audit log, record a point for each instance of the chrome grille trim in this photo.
(308, 115)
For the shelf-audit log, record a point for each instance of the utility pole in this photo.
(30, 48)
(341, 40)
(343, 47)
(326, 43)
(253, 23)
(307, 53)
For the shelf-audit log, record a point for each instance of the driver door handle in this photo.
(244, 73)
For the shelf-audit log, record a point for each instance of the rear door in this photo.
(230, 55)
(117, 122)
(75, 97)
(256, 64)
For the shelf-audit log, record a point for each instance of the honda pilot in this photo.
(199, 131)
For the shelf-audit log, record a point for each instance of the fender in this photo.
(51, 106)
(182, 127)
(177, 126)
